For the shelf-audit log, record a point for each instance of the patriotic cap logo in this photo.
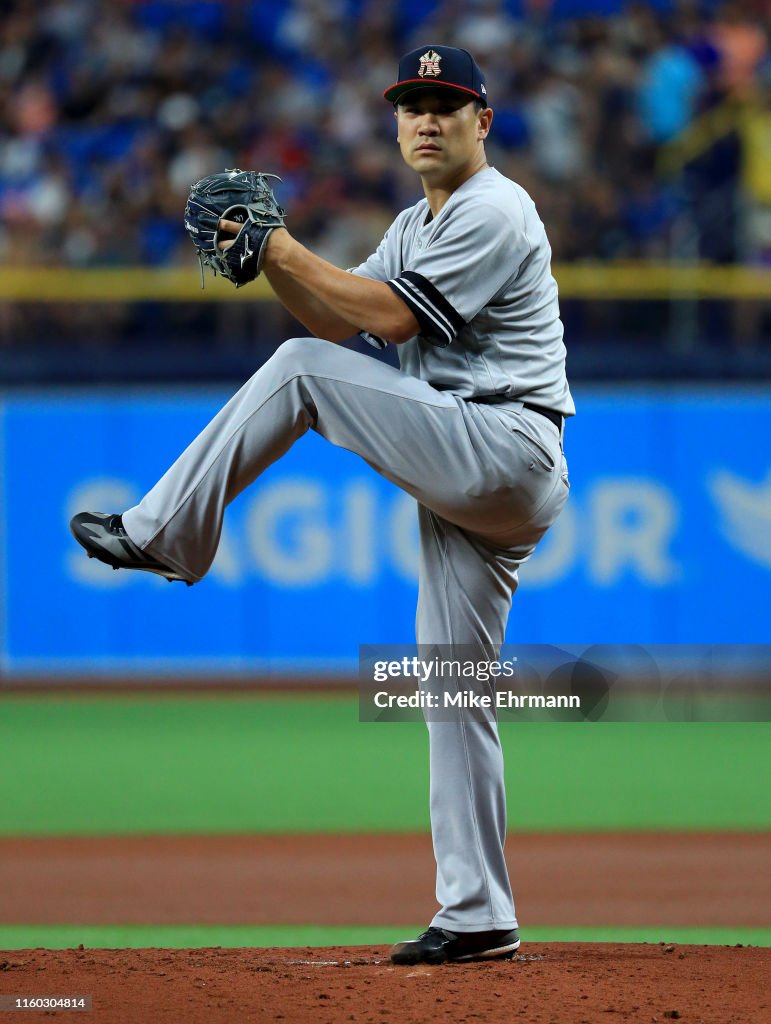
(429, 64)
(433, 66)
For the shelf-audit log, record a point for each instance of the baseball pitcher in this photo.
(471, 426)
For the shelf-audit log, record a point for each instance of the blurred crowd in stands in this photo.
(641, 129)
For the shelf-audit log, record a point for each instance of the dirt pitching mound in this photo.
(558, 983)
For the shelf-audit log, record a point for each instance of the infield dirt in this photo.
(632, 879)
(612, 879)
(566, 983)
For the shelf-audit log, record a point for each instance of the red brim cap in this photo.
(438, 67)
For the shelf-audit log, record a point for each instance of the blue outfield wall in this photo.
(666, 539)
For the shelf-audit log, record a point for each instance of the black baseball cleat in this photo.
(103, 537)
(438, 946)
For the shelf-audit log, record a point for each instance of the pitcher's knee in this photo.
(300, 356)
(295, 348)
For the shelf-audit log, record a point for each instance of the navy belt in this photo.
(550, 414)
(555, 417)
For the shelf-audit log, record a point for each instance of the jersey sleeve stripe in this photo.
(432, 328)
(437, 314)
(435, 299)
(439, 321)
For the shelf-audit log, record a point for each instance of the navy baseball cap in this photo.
(431, 67)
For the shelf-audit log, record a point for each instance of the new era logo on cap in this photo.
(430, 67)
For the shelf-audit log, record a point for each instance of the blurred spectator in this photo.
(756, 150)
(741, 44)
(670, 83)
(109, 111)
(486, 28)
(642, 129)
(554, 113)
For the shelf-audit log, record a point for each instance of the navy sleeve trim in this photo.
(435, 298)
(438, 319)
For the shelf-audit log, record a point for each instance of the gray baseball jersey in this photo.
(478, 280)
(489, 477)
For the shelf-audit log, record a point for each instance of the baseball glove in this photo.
(244, 197)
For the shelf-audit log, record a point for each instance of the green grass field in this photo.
(186, 764)
(102, 765)
(286, 936)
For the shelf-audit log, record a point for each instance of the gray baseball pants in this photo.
(489, 481)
